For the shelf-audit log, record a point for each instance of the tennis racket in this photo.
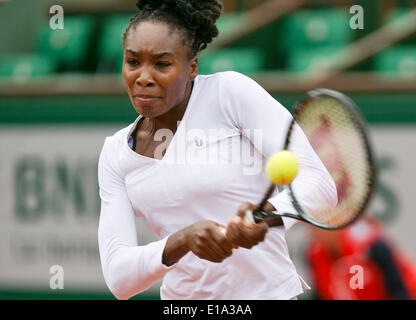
(338, 135)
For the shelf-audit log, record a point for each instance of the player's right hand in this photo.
(206, 240)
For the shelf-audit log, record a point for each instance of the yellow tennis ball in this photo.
(282, 167)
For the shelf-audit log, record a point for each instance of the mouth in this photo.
(145, 98)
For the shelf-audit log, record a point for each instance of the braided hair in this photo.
(196, 18)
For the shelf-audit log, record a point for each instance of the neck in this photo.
(169, 120)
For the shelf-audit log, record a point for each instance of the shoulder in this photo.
(228, 78)
(239, 89)
(234, 75)
(232, 85)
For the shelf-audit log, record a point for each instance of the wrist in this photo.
(176, 247)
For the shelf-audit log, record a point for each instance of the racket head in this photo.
(338, 134)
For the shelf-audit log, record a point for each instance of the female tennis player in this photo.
(158, 168)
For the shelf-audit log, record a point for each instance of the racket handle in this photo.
(272, 220)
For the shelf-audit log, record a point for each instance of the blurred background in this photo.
(61, 94)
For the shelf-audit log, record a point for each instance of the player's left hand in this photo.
(242, 233)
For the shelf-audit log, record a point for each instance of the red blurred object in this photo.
(338, 258)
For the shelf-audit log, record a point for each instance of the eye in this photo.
(132, 62)
(163, 64)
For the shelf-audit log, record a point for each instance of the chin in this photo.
(148, 111)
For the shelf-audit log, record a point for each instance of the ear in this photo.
(193, 68)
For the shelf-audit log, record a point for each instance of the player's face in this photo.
(157, 69)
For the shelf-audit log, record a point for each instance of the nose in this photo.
(145, 78)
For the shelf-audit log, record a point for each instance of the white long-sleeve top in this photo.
(213, 164)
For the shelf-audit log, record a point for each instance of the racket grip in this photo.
(272, 220)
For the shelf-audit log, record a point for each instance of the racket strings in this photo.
(338, 142)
